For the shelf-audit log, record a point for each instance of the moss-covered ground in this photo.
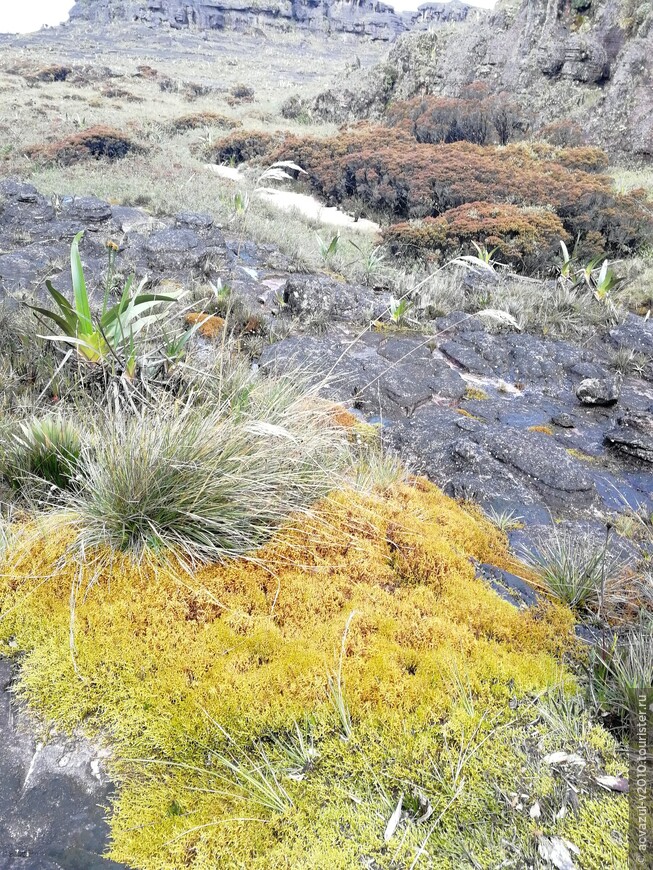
(218, 691)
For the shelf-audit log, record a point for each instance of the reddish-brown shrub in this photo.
(564, 134)
(442, 119)
(476, 118)
(527, 238)
(54, 72)
(587, 158)
(243, 146)
(93, 143)
(393, 175)
(196, 120)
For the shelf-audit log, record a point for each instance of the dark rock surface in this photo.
(472, 410)
(52, 796)
(508, 586)
(633, 434)
(37, 232)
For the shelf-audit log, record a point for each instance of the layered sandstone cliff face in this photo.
(590, 61)
(584, 63)
(370, 18)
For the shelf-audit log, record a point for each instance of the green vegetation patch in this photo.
(349, 695)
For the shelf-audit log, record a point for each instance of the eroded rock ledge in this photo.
(371, 18)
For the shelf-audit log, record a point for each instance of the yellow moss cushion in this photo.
(179, 671)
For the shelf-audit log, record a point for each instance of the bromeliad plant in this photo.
(112, 335)
(597, 275)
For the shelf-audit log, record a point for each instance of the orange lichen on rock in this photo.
(544, 430)
(211, 324)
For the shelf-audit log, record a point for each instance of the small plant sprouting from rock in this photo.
(578, 569)
(329, 248)
(241, 202)
(398, 309)
(371, 261)
(597, 275)
(505, 520)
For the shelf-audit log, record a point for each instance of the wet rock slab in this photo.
(52, 796)
(494, 417)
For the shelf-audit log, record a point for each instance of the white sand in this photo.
(301, 203)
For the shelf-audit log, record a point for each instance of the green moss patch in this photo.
(226, 694)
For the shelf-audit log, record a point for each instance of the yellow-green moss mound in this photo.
(205, 683)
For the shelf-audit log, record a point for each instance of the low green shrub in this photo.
(110, 337)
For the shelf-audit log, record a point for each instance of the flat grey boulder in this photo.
(175, 248)
(85, 209)
(633, 434)
(600, 391)
(320, 296)
(635, 335)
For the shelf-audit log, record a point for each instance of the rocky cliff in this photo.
(371, 18)
(583, 65)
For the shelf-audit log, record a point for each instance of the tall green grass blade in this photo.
(80, 293)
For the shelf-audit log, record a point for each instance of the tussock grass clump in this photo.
(39, 452)
(623, 671)
(206, 482)
(580, 570)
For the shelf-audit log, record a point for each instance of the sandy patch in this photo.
(301, 203)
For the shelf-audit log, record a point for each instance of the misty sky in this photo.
(27, 15)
